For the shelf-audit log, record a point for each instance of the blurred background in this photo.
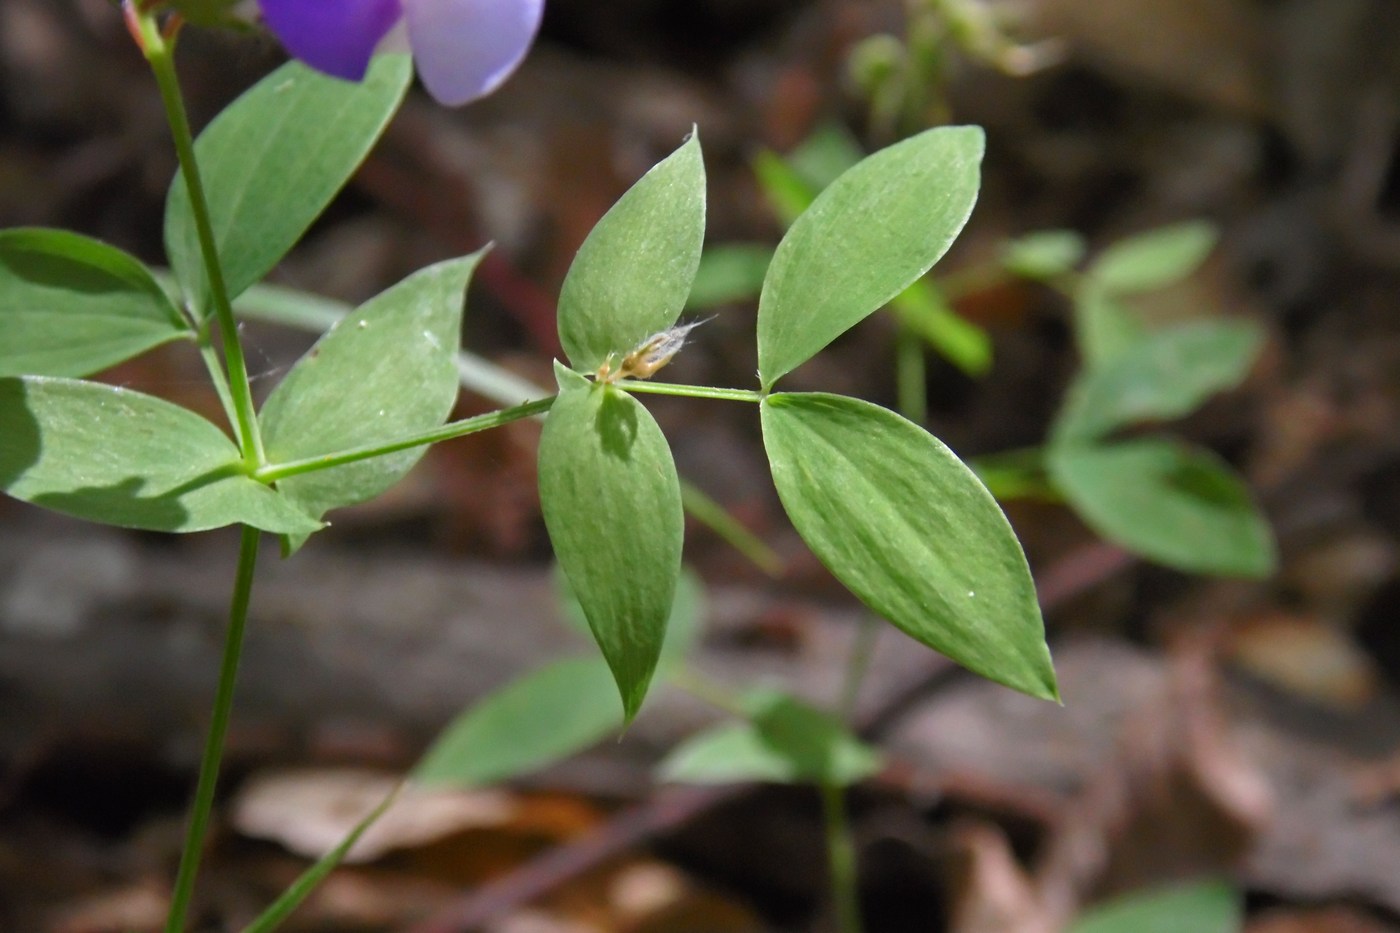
(1213, 727)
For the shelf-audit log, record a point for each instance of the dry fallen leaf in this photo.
(992, 893)
(310, 811)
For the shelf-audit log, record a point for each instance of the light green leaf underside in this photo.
(1154, 259)
(119, 457)
(272, 161)
(612, 504)
(865, 239)
(541, 718)
(1165, 376)
(785, 742)
(71, 305)
(385, 371)
(1206, 907)
(907, 527)
(633, 273)
(1176, 505)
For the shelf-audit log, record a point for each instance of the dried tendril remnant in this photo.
(643, 361)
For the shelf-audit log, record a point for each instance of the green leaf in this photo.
(543, 717)
(824, 155)
(903, 523)
(1016, 474)
(1170, 503)
(1103, 327)
(271, 162)
(387, 370)
(864, 240)
(1154, 259)
(729, 273)
(70, 305)
(683, 625)
(1166, 376)
(119, 457)
(1044, 254)
(922, 308)
(786, 742)
(632, 275)
(612, 504)
(1207, 907)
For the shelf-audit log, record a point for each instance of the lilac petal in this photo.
(334, 36)
(464, 49)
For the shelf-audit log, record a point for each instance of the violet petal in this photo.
(334, 36)
(464, 49)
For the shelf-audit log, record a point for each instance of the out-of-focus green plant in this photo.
(1161, 498)
(905, 78)
(1204, 907)
(1156, 496)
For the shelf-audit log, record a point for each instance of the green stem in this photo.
(841, 857)
(210, 356)
(311, 312)
(274, 472)
(911, 374)
(671, 388)
(159, 52)
(712, 515)
(292, 898)
(857, 664)
(840, 845)
(703, 688)
(203, 803)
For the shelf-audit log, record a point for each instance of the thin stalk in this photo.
(840, 844)
(274, 472)
(703, 688)
(159, 51)
(857, 664)
(210, 356)
(671, 388)
(292, 898)
(841, 858)
(911, 374)
(294, 308)
(203, 803)
(712, 515)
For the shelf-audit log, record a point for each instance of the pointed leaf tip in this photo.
(866, 238)
(633, 273)
(908, 528)
(612, 505)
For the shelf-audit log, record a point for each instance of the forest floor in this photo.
(1247, 731)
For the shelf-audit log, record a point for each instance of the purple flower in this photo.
(464, 49)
